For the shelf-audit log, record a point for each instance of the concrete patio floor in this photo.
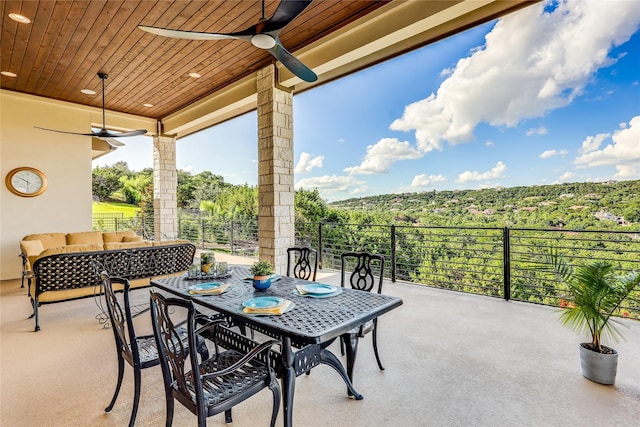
(451, 359)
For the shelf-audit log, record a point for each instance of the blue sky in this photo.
(547, 95)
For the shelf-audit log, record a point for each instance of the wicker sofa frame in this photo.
(56, 275)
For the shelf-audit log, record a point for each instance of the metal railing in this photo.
(118, 222)
(235, 237)
(505, 262)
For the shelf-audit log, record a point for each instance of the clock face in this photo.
(26, 182)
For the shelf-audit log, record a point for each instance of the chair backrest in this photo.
(301, 259)
(167, 315)
(121, 321)
(362, 268)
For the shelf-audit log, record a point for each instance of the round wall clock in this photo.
(26, 182)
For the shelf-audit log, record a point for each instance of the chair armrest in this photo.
(206, 322)
(265, 346)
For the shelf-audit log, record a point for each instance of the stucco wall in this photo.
(65, 159)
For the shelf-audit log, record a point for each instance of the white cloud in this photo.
(423, 180)
(537, 131)
(623, 152)
(532, 62)
(489, 144)
(592, 143)
(382, 155)
(307, 163)
(333, 184)
(496, 172)
(566, 176)
(551, 153)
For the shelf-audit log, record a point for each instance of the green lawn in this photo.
(126, 209)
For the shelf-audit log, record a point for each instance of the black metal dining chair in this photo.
(239, 368)
(302, 262)
(141, 351)
(364, 271)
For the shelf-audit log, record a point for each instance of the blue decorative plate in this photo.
(263, 302)
(319, 288)
(308, 295)
(205, 286)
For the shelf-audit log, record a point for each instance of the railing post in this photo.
(202, 230)
(231, 237)
(115, 225)
(506, 262)
(320, 244)
(393, 253)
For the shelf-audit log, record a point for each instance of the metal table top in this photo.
(312, 320)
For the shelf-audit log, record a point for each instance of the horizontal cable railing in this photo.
(143, 226)
(235, 237)
(509, 263)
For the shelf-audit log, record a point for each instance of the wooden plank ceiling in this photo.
(69, 42)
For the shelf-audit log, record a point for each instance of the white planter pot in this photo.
(598, 367)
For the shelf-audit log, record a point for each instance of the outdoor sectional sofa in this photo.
(67, 272)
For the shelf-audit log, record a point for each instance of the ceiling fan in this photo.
(103, 133)
(263, 35)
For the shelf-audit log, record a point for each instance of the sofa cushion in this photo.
(31, 249)
(126, 239)
(125, 245)
(49, 240)
(116, 236)
(67, 249)
(85, 238)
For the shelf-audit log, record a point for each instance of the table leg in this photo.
(330, 359)
(351, 349)
(288, 381)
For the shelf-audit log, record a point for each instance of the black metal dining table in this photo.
(305, 331)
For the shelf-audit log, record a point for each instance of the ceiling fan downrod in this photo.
(103, 77)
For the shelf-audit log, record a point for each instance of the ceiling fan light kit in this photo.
(263, 41)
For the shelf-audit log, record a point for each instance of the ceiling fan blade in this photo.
(63, 131)
(286, 12)
(292, 63)
(188, 35)
(103, 133)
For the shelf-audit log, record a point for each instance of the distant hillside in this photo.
(585, 205)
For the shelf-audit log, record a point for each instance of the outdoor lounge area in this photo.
(450, 358)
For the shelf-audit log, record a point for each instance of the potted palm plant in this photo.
(595, 293)
(261, 271)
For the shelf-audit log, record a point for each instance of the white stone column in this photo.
(276, 228)
(165, 187)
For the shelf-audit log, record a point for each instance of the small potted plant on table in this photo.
(261, 271)
(595, 292)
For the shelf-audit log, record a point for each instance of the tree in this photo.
(106, 180)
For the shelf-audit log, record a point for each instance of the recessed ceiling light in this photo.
(19, 18)
(195, 75)
(147, 105)
(88, 91)
(8, 74)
